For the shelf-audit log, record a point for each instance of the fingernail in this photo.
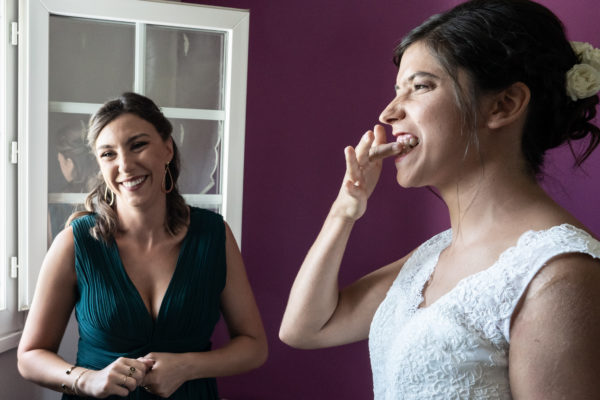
(366, 137)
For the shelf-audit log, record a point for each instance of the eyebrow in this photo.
(129, 141)
(420, 74)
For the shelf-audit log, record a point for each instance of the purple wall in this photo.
(319, 74)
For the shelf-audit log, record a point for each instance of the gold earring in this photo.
(112, 196)
(164, 181)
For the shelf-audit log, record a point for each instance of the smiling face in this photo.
(426, 107)
(132, 157)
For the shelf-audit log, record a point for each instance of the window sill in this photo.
(9, 341)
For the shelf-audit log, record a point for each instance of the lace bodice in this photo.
(457, 348)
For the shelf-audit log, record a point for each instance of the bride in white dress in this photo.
(506, 303)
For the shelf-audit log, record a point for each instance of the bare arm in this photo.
(318, 314)
(52, 305)
(246, 350)
(48, 317)
(554, 335)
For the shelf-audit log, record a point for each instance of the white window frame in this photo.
(11, 322)
(33, 106)
(3, 155)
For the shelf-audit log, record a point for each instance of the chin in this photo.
(132, 202)
(405, 182)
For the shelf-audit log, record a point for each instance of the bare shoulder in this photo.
(573, 274)
(228, 231)
(231, 246)
(58, 268)
(62, 249)
(555, 330)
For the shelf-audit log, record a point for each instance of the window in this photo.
(11, 322)
(73, 56)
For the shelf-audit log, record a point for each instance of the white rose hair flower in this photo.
(583, 80)
(580, 47)
(592, 57)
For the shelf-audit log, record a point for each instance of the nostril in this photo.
(386, 117)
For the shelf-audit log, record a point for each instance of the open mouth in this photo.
(409, 141)
(403, 145)
(130, 184)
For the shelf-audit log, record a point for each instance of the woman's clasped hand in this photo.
(119, 378)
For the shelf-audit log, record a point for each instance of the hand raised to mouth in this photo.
(404, 144)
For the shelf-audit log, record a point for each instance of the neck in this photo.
(489, 201)
(145, 224)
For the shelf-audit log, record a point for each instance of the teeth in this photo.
(134, 182)
(408, 139)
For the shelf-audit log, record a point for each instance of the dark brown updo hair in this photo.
(106, 218)
(500, 42)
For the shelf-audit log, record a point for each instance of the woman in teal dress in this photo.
(148, 277)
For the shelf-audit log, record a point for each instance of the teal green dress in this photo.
(113, 320)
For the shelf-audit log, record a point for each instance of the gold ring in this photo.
(132, 369)
(146, 388)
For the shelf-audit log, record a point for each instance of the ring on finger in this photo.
(146, 387)
(131, 371)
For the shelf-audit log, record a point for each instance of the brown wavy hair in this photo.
(107, 223)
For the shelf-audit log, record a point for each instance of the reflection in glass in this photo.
(184, 68)
(72, 167)
(90, 60)
(199, 143)
(58, 213)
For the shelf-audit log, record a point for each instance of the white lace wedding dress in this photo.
(457, 348)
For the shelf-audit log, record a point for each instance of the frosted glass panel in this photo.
(72, 168)
(184, 68)
(57, 217)
(91, 61)
(200, 148)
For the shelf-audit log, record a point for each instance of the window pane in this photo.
(199, 144)
(90, 60)
(57, 216)
(72, 168)
(184, 68)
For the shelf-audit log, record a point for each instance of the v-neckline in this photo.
(168, 290)
(421, 294)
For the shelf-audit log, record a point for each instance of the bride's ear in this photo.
(508, 105)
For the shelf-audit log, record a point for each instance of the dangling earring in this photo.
(112, 196)
(164, 181)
